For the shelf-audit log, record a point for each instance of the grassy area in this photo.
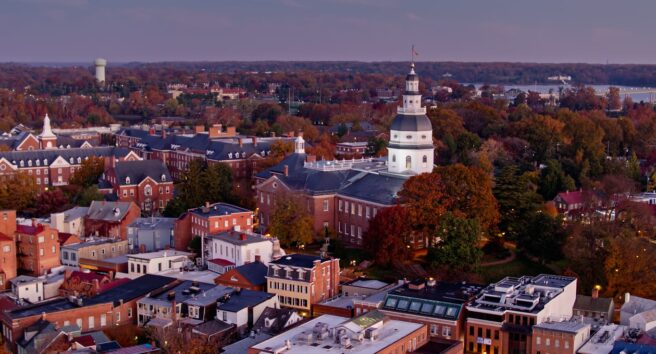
(520, 266)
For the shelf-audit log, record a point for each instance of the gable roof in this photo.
(139, 170)
(588, 303)
(254, 272)
(108, 211)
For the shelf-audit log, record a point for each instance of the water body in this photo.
(600, 89)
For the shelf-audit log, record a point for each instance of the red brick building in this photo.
(114, 307)
(110, 219)
(300, 280)
(8, 261)
(216, 145)
(210, 219)
(147, 183)
(83, 283)
(38, 248)
(54, 167)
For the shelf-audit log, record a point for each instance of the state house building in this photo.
(344, 195)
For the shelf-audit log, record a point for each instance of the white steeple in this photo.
(47, 130)
(299, 144)
(410, 150)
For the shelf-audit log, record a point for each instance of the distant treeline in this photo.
(496, 73)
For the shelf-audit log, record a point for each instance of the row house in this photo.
(38, 248)
(211, 219)
(92, 249)
(302, 280)
(54, 168)
(146, 183)
(8, 259)
(110, 219)
(109, 309)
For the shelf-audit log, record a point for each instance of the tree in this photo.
(290, 223)
(51, 201)
(554, 180)
(87, 195)
(543, 237)
(630, 266)
(17, 192)
(376, 147)
(543, 133)
(279, 149)
(386, 240)
(89, 172)
(586, 250)
(457, 249)
(200, 183)
(614, 100)
(518, 201)
(268, 112)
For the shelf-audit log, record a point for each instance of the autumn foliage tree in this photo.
(386, 240)
(17, 192)
(290, 222)
(89, 172)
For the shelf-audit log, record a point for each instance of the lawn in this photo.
(520, 266)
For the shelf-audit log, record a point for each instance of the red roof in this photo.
(221, 262)
(113, 284)
(85, 341)
(29, 230)
(87, 277)
(63, 237)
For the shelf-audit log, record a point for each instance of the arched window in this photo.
(393, 158)
(425, 160)
(127, 180)
(148, 190)
(79, 160)
(163, 178)
(408, 162)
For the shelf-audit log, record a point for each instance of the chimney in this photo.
(258, 258)
(242, 237)
(34, 222)
(199, 128)
(595, 292)
(286, 170)
(241, 142)
(255, 141)
(206, 208)
(151, 131)
(273, 134)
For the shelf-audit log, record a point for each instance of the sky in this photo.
(558, 31)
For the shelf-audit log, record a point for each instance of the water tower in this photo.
(100, 69)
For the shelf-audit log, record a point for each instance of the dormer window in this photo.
(45, 161)
(22, 163)
(71, 160)
(163, 178)
(29, 163)
(38, 162)
(127, 180)
(229, 155)
(79, 160)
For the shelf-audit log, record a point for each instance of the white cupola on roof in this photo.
(299, 144)
(410, 149)
(47, 130)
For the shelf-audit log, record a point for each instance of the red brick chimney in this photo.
(286, 170)
(254, 141)
(241, 142)
(242, 237)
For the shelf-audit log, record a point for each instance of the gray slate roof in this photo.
(15, 157)
(254, 272)
(588, 303)
(243, 299)
(108, 211)
(411, 123)
(139, 170)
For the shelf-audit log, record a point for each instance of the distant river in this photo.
(637, 97)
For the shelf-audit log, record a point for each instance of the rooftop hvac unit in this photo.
(345, 341)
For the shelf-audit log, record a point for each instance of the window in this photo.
(225, 316)
(103, 320)
(79, 322)
(557, 343)
(367, 212)
(408, 162)
(40, 251)
(393, 158)
(130, 312)
(54, 249)
(92, 321)
(424, 160)
(547, 342)
(325, 205)
(446, 331)
(148, 190)
(341, 204)
(6, 249)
